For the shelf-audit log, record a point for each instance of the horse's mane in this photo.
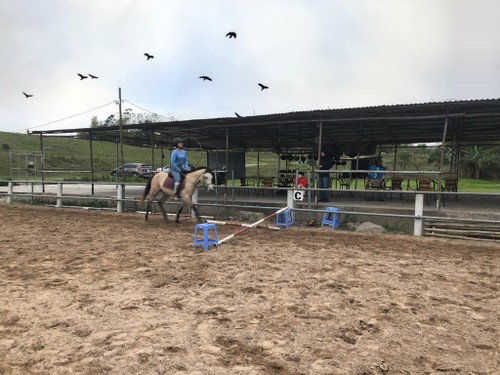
(198, 168)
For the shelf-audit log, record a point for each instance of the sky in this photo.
(312, 54)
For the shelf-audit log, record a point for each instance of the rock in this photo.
(368, 227)
(352, 226)
(248, 216)
(211, 349)
(477, 316)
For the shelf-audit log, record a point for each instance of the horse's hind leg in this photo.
(160, 204)
(152, 196)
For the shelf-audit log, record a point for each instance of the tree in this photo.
(476, 156)
(404, 158)
(137, 137)
(435, 156)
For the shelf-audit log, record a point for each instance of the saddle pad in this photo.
(169, 183)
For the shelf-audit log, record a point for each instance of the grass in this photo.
(470, 185)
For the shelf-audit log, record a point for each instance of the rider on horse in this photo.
(178, 163)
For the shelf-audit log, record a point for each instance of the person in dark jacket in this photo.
(325, 164)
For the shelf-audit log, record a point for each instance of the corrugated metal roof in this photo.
(472, 121)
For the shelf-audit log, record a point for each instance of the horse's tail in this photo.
(148, 188)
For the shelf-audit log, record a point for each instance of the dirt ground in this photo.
(93, 292)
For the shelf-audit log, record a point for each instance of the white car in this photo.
(165, 169)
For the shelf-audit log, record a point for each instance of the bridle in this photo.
(202, 182)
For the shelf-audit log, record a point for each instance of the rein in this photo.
(201, 182)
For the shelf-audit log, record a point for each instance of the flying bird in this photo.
(149, 56)
(82, 76)
(27, 95)
(93, 77)
(262, 87)
(231, 34)
(205, 78)
(237, 115)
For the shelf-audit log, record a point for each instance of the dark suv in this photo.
(134, 170)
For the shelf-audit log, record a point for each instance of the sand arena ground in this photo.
(86, 292)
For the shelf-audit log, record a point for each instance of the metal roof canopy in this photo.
(469, 122)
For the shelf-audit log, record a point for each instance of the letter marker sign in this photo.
(298, 195)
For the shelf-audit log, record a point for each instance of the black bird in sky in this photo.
(93, 77)
(149, 56)
(237, 115)
(262, 87)
(231, 34)
(205, 78)
(27, 95)
(82, 76)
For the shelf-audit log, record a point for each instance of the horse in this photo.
(165, 183)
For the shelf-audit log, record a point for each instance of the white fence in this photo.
(115, 192)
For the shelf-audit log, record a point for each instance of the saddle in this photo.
(170, 181)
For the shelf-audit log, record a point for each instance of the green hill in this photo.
(69, 158)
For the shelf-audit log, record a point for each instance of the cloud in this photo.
(312, 55)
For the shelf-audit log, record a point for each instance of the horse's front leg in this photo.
(179, 213)
(160, 204)
(195, 209)
(148, 207)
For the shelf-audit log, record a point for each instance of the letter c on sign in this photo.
(298, 195)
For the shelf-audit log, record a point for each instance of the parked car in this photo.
(165, 169)
(133, 170)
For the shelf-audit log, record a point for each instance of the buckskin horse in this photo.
(165, 183)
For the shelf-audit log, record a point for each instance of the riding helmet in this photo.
(177, 140)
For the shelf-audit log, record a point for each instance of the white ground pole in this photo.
(236, 224)
(251, 226)
(419, 211)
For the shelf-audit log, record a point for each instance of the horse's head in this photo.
(207, 180)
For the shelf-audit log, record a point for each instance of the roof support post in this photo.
(152, 150)
(395, 156)
(320, 140)
(258, 164)
(92, 176)
(441, 161)
(227, 152)
(357, 156)
(42, 163)
(320, 136)
(161, 151)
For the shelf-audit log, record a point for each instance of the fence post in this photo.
(419, 211)
(10, 192)
(290, 202)
(194, 199)
(59, 195)
(119, 197)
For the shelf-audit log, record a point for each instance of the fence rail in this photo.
(117, 196)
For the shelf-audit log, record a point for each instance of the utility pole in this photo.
(121, 129)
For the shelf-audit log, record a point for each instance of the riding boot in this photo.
(176, 189)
